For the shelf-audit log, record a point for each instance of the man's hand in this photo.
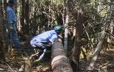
(11, 29)
(60, 38)
(49, 44)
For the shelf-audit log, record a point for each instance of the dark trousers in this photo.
(12, 36)
(47, 48)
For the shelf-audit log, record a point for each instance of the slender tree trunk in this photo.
(1, 9)
(66, 25)
(77, 42)
(27, 16)
(66, 33)
(23, 15)
(5, 4)
(77, 14)
(2, 41)
(99, 6)
(97, 51)
(18, 17)
(60, 62)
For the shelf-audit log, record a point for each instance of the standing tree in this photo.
(79, 17)
(2, 41)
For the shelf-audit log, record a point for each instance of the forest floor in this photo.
(15, 60)
(104, 63)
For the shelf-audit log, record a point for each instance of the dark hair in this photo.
(11, 2)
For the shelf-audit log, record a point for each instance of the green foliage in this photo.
(48, 2)
(84, 1)
(112, 0)
(103, 12)
(0, 0)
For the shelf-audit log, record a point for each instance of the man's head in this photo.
(11, 2)
(58, 29)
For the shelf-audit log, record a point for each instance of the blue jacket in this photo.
(11, 16)
(48, 36)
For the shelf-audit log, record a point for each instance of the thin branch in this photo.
(10, 67)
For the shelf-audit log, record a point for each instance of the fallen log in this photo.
(60, 62)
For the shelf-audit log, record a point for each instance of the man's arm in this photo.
(53, 38)
(9, 17)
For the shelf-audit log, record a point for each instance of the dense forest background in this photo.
(88, 36)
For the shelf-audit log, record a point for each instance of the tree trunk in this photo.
(60, 62)
(27, 16)
(2, 41)
(78, 14)
(99, 6)
(97, 51)
(23, 16)
(66, 33)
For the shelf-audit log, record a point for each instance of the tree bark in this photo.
(77, 12)
(66, 33)
(60, 62)
(23, 16)
(2, 41)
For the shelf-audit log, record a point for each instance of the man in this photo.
(46, 39)
(12, 29)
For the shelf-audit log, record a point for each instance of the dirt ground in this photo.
(104, 63)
